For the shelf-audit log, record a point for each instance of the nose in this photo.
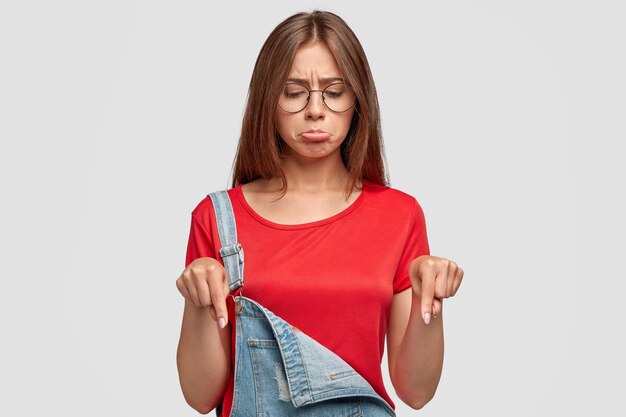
(315, 107)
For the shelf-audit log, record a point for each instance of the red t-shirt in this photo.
(334, 278)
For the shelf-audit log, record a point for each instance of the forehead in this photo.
(314, 61)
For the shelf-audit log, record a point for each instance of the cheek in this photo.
(279, 121)
(286, 129)
(347, 120)
(282, 125)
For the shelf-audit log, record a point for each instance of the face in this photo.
(313, 63)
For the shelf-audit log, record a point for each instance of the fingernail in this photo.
(427, 318)
(222, 322)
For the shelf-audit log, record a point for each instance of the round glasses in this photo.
(338, 97)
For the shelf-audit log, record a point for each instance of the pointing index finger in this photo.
(428, 293)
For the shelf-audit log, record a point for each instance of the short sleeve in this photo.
(416, 245)
(200, 243)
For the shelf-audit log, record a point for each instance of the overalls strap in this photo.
(230, 249)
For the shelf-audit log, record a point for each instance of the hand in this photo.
(433, 279)
(205, 284)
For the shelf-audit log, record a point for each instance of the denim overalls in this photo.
(279, 370)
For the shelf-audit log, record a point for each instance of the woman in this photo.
(329, 246)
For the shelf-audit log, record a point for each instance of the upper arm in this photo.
(396, 325)
(200, 242)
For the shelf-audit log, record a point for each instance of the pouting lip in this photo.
(315, 131)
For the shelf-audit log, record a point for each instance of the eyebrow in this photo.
(322, 80)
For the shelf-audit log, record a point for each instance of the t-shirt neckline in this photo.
(337, 216)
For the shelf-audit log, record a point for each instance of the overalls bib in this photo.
(279, 370)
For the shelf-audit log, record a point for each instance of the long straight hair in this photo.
(260, 150)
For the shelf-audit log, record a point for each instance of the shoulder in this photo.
(204, 210)
(392, 199)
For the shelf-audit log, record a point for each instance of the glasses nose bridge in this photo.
(308, 101)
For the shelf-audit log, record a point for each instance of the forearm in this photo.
(203, 358)
(419, 359)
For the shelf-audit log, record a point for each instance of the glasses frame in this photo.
(308, 98)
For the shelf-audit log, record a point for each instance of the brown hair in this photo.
(260, 149)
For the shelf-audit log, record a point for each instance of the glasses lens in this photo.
(339, 97)
(293, 98)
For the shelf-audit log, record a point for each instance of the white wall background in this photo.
(504, 119)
